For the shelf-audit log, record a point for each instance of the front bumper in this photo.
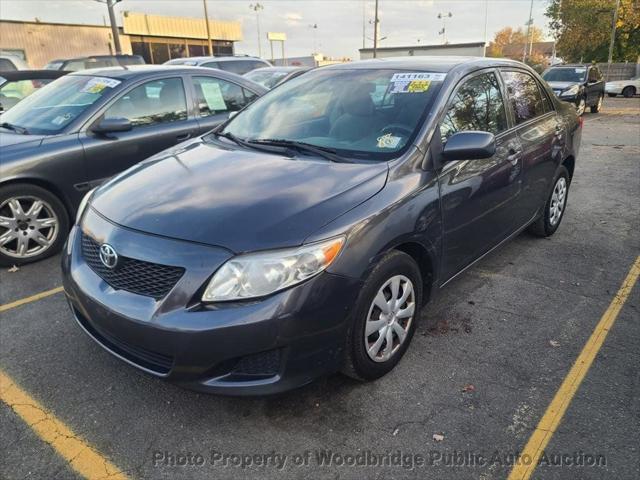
(239, 348)
(617, 89)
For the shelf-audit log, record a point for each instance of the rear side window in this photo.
(214, 96)
(208, 64)
(6, 65)
(525, 96)
(476, 105)
(158, 101)
(240, 66)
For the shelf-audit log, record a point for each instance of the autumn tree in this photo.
(583, 29)
(509, 36)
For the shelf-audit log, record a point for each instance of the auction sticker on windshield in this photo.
(417, 82)
(98, 84)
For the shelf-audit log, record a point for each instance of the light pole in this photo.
(529, 23)
(613, 38)
(315, 37)
(256, 7)
(206, 21)
(114, 25)
(443, 32)
(375, 33)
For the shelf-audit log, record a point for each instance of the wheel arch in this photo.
(569, 163)
(426, 264)
(49, 186)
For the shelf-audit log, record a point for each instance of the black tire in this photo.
(58, 235)
(596, 108)
(357, 363)
(612, 94)
(543, 226)
(628, 92)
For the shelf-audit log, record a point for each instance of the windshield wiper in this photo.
(247, 144)
(324, 152)
(15, 128)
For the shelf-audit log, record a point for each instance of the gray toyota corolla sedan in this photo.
(303, 236)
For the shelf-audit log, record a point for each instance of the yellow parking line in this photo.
(32, 298)
(553, 415)
(81, 457)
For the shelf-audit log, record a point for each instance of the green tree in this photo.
(509, 36)
(583, 29)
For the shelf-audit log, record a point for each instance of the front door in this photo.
(158, 113)
(479, 198)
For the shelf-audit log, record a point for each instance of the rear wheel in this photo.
(596, 108)
(554, 207)
(33, 224)
(628, 92)
(385, 317)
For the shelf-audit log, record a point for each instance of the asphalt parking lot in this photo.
(488, 358)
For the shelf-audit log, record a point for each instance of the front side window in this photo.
(214, 96)
(368, 113)
(525, 96)
(158, 101)
(476, 105)
(50, 109)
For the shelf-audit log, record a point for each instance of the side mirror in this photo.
(469, 145)
(112, 125)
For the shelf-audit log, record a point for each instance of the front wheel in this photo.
(554, 207)
(581, 106)
(33, 224)
(384, 317)
(612, 94)
(628, 92)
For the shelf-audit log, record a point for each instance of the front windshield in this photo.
(361, 113)
(268, 79)
(565, 74)
(53, 107)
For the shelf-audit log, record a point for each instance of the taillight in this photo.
(580, 121)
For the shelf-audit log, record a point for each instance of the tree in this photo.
(582, 29)
(509, 36)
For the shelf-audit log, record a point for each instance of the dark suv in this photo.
(304, 235)
(95, 61)
(582, 85)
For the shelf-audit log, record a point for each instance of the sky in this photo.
(339, 31)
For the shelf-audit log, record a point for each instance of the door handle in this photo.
(514, 155)
(184, 136)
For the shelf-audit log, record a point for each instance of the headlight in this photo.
(259, 274)
(570, 91)
(84, 203)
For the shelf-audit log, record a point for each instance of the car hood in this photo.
(238, 199)
(9, 138)
(562, 85)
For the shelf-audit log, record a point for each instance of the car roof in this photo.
(75, 59)
(438, 64)
(14, 75)
(279, 69)
(215, 59)
(572, 65)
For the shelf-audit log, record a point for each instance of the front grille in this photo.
(263, 364)
(154, 361)
(135, 276)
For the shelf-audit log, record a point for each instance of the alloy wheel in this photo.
(389, 318)
(600, 98)
(28, 226)
(558, 200)
(582, 105)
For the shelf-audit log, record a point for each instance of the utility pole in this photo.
(529, 23)
(486, 23)
(443, 32)
(206, 21)
(375, 33)
(613, 38)
(256, 8)
(114, 25)
(364, 27)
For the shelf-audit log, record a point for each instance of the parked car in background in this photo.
(582, 85)
(626, 88)
(269, 77)
(95, 61)
(19, 84)
(87, 126)
(304, 236)
(239, 64)
(12, 62)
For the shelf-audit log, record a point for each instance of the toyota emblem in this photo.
(108, 256)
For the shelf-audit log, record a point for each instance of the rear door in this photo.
(215, 99)
(541, 134)
(161, 117)
(479, 198)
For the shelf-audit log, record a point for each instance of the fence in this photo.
(620, 71)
